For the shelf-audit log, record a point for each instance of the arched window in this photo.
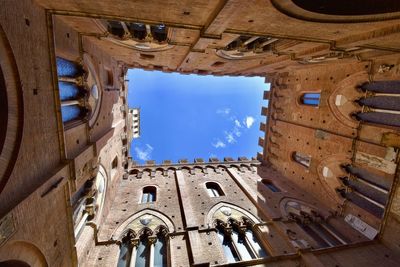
(302, 159)
(139, 252)
(270, 185)
(88, 201)
(314, 225)
(368, 191)
(149, 194)
(214, 190)
(71, 95)
(238, 241)
(310, 99)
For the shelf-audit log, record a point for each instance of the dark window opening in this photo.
(138, 30)
(270, 185)
(115, 28)
(114, 163)
(159, 32)
(349, 8)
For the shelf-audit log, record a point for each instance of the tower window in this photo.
(270, 185)
(214, 190)
(302, 159)
(310, 99)
(149, 194)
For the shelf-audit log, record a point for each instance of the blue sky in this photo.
(191, 116)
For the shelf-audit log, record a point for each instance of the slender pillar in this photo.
(152, 240)
(70, 103)
(134, 244)
(82, 221)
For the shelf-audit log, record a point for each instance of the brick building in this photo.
(324, 192)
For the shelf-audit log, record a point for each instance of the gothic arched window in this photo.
(310, 99)
(238, 241)
(149, 194)
(214, 190)
(366, 190)
(314, 225)
(148, 247)
(71, 94)
(88, 201)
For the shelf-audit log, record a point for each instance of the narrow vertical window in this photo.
(71, 112)
(125, 251)
(143, 253)
(237, 243)
(270, 185)
(302, 159)
(114, 163)
(149, 194)
(310, 99)
(160, 251)
(214, 190)
(229, 251)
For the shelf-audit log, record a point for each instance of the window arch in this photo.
(310, 99)
(238, 241)
(214, 190)
(302, 159)
(149, 194)
(270, 185)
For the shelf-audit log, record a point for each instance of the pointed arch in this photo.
(23, 251)
(158, 217)
(237, 212)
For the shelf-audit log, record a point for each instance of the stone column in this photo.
(152, 240)
(134, 244)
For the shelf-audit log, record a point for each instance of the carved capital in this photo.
(152, 240)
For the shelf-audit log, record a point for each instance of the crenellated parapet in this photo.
(242, 164)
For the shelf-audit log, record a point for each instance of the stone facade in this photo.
(324, 192)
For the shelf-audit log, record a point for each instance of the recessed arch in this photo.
(127, 224)
(340, 11)
(210, 218)
(22, 251)
(95, 96)
(11, 102)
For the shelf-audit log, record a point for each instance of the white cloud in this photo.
(224, 111)
(238, 124)
(230, 138)
(144, 154)
(219, 144)
(249, 121)
(236, 131)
